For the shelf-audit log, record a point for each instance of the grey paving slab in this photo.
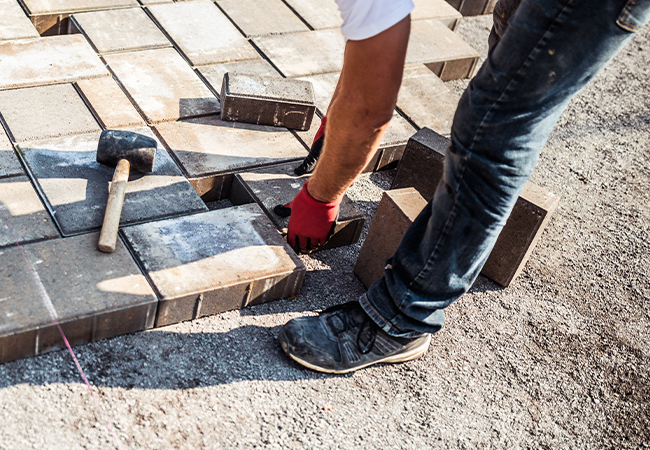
(274, 101)
(305, 53)
(211, 150)
(57, 59)
(426, 100)
(214, 73)
(110, 103)
(45, 111)
(163, 86)
(15, 24)
(9, 164)
(319, 14)
(216, 261)
(436, 9)
(41, 7)
(473, 7)
(277, 185)
(94, 296)
(75, 186)
(442, 50)
(203, 33)
(23, 217)
(262, 17)
(120, 30)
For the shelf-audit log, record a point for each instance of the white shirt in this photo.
(363, 19)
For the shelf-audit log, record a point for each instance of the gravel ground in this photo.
(557, 360)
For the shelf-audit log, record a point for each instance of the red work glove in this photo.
(309, 163)
(312, 222)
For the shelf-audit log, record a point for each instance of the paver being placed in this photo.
(57, 59)
(211, 150)
(305, 53)
(203, 33)
(110, 104)
(277, 185)
(473, 7)
(120, 30)
(9, 164)
(441, 50)
(163, 86)
(436, 9)
(75, 185)
(15, 24)
(217, 261)
(45, 111)
(214, 73)
(94, 296)
(270, 101)
(262, 17)
(396, 212)
(319, 14)
(426, 100)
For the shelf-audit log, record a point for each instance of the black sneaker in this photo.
(343, 339)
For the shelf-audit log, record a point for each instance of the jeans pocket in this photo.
(634, 15)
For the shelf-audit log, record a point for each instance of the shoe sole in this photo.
(414, 353)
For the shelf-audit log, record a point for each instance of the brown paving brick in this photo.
(270, 101)
(473, 7)
(436, 9)
(94, 295)
(319, 14)
(9, 164)
(214, 73)
(120, 30)
(45, 111)
(110, 104)
(203, 33)
(15, 24)
(57, 59)
(75, 186)
(163, 86)
(262, 17)
(212, 262)
(277, 185)
(23, 217)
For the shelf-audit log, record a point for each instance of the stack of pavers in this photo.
(72, 68)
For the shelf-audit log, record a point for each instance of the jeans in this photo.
(550, 50)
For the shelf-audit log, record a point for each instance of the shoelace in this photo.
(344, 314)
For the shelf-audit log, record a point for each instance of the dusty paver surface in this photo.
(559, 359)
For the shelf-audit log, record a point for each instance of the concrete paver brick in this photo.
(120, 30)
(211, 150)
(110, 103)
(473, 7)
(396, 212)
(95, 296)
(262, 17)
(57, 59)
(214, 73)
(306, 53)
(163, 86)
(23, 217)
(277, 185)
(426, 100)
(15, 24)
(319, 14)
(45, 111)
(203, 33)
(9, 164)
(271, 101)
(75, 185)
(217, 261)
(441, 50)
(436, 9)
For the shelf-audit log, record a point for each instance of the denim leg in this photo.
(551, 49)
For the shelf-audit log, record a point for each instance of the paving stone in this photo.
(163, 86)
(319, 14)
(23, 217)
(120, 30)
(109, 103)
(211, 150)
(217, 261)
(426, 100)
(214, 73)
(262, 17)
(94, 295)
(46, 111)
(436, 9)
(9, 164)
(421, 167)
(441, 50)
(306, 53)
(270, 101)
(277, 185)
(397, 210)
(57, 59)
(15, 24)
(473, 7)
(75, 186)
(203, 33)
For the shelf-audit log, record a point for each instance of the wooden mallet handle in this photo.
(108, 236)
